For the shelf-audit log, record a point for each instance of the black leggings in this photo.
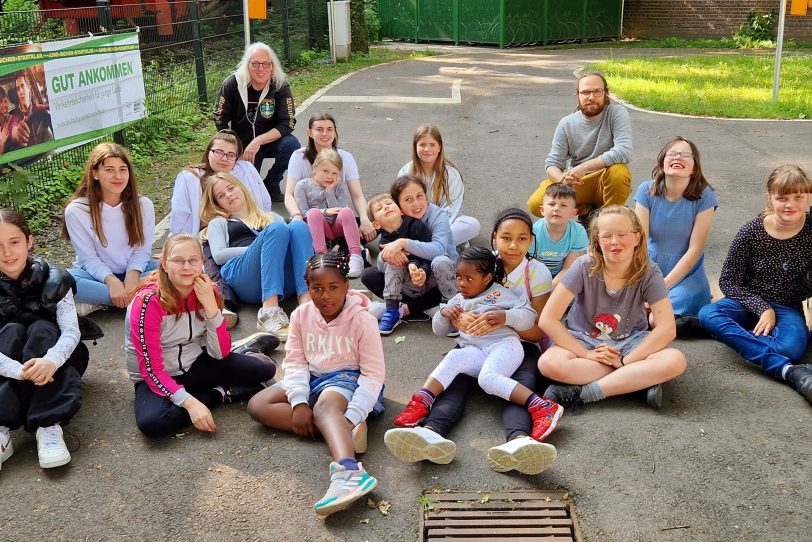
(449, 407)
(157, 416)
(373, 279)
(24, 404)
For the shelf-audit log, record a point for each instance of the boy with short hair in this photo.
(560, 239)
(386, 216)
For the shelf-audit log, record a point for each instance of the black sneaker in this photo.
(564, 394)
(238, 394)
(263, 343)
(654, 396)
(417, 317)
(800, 378)
(689, 327)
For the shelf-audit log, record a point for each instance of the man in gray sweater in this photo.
(596, 143)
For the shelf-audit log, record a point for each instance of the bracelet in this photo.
(621, 361)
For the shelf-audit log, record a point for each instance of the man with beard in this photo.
(596, 142)
(30, 123)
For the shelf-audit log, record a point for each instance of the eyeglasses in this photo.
(223, 154)
(620, 236)
(598, 92)
(257, 65)
(685, 155)
(181, 262)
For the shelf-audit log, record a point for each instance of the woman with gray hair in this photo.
(255, 101)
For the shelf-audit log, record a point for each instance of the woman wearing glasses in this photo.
(222, 155)
(676, 210)
(256, 102)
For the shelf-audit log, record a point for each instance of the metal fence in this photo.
(187, 48)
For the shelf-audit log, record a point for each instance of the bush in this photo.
(757, 30)
(372, 20)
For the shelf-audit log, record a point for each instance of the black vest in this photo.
(35, 293)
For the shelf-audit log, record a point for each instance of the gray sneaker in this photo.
(346, 487)
(800, 378)
(563, 394)
(273, 320)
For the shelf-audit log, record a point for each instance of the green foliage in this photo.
(20, 27)
(308, 57)
(722, 85)
(358, 26)
(372, 21)
(757, 30)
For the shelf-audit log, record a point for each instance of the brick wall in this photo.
(702, 18)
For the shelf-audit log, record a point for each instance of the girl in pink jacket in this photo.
(334, 373)
(177, 346)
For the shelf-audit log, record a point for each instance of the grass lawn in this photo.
(720, 85)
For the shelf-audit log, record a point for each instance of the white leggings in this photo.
(464, 228)
(492, 364)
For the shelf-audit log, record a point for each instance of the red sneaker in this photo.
(412, 414)
(545, 418)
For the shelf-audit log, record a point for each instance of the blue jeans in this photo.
(730, 322)
(90, 290)
(280, 150)
(274, 263)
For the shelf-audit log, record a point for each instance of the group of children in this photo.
(594, 312)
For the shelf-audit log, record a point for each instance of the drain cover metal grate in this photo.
(523, 515)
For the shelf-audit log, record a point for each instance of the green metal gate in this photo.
(500, 22)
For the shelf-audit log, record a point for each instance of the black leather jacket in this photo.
(35, 293)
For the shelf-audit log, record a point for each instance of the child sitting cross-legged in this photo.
(493, 355)
(334, 373)
(386, 216)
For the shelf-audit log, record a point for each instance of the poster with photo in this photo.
(60, 94)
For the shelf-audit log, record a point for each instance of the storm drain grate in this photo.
(524, 515)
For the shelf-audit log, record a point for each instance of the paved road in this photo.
(724, 458)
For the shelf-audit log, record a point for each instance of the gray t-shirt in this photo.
(608, 315)
(578, 139)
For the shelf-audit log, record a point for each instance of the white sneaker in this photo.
(523, 454)
(418, 443)
(359, 438)
(273, 320)
(6, 448)
(231, 318)
(356, 266)
(51, 447)
(376, 309)
(83, 309)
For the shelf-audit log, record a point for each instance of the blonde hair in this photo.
(640, 263)
(439, 188)
(90, 188)
(210, 209)
(168, 295)
(330, 156)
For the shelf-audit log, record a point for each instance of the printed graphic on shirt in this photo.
(492, 298)
(604, 325)
(266, 109)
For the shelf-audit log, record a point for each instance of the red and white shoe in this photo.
(414, 412)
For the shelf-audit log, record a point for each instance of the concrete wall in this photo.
(702, 18)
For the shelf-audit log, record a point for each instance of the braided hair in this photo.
(514, 213)
(485, 261)
(329, 260)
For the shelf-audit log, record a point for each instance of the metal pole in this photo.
(779, 46)
(332, 19)
(246, 23)
(197, 42)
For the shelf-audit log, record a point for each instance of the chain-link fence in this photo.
(187, 48)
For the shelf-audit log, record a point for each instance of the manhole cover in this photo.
(524, 515)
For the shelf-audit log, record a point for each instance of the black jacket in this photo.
(35, 294)
(414, 230)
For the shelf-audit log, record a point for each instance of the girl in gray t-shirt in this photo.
(605, 348)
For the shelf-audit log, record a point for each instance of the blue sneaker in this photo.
(346, 487)
(390, 319)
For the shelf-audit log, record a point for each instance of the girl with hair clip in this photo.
(256, 102)
(261, 257)
(676, 209)
(111, 228)
(605, 348)
(222, 155)
(443, 179)
(511, 239)
(325, 201)
(41, 357)
(409, 192)
(765, 279)
(322, 133)
(334, 376)
(178, 349)
(489, 352)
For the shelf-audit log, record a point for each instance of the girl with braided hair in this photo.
(334, 374)
(489, 353)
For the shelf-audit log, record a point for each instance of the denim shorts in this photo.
(314, 395)
(624, 346)
(343, 382)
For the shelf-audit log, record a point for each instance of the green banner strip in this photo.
(101, 45)
(64, 142)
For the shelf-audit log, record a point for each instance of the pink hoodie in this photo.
(351, 341)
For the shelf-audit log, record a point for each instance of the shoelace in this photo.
(50, 437)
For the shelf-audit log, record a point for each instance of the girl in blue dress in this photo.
(676, 210)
